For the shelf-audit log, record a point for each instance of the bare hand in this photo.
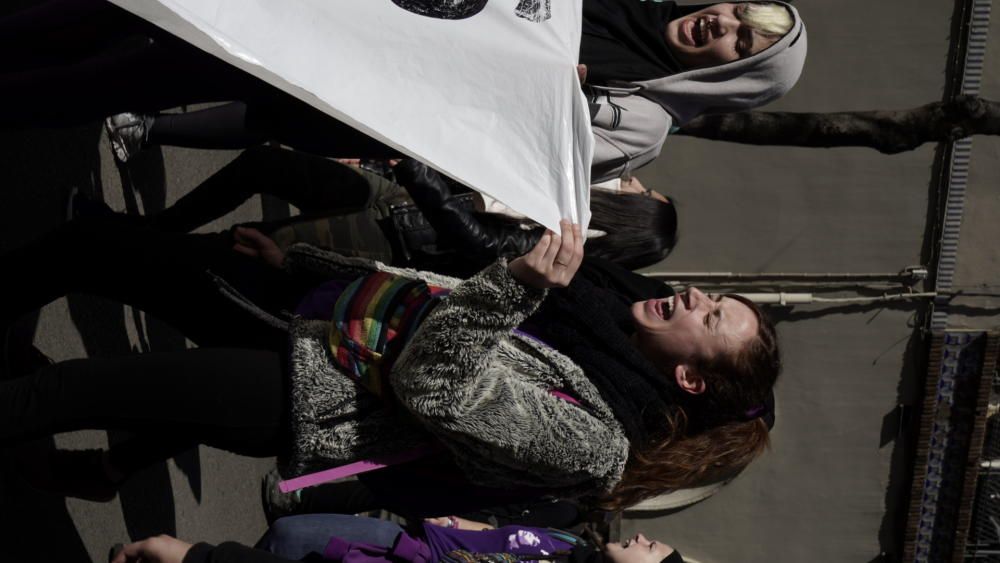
(463, 524)
(581, 71)
(255, 243)
(158, 549)
(553, 261)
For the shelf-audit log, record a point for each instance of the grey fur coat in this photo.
(464, 379)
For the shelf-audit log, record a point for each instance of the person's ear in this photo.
(688, 380)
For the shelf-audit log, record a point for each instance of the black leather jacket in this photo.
(442, 231)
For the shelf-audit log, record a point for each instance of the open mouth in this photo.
(700, 33)
(664, 308)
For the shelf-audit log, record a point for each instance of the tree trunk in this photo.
(889, 132)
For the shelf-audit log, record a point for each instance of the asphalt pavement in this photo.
(201, 495)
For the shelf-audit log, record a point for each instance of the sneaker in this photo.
(128, 133)
(276, 503)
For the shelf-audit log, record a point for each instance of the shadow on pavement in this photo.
(39, 170)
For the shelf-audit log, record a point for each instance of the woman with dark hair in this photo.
(338, 537)
(418, 222)
(610, 387)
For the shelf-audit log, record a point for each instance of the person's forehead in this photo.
(737, 313)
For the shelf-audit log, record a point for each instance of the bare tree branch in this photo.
(889, 132)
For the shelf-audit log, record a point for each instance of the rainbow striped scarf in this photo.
(373, 319)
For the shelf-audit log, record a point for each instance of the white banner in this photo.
(485, 91)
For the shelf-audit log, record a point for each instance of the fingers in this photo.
(570, 254)
(537, 254)
(577, 247)
(249, 235)
(437, 521)
(241, 238)
(564, 256)
(249, 241)
(246, 250)
(554, 260)
(130, 552)
(549, 258)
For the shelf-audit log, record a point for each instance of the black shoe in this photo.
(276, 503)
(69, 473)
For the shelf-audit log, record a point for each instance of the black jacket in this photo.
(441, 230)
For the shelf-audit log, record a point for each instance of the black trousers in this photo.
(171, 276)
(233, 399)
(317, 186)
(69, 62)
(230, 394)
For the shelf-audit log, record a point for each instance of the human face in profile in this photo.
(637, 549)
(713, 36)
(680, 331)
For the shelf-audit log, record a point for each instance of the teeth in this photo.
(670, 307)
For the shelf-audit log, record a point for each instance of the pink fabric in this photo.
(366, 465)
(355, 468)
(562, 395)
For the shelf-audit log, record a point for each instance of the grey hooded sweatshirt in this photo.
(632, 119)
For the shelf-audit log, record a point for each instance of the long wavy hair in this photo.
(703, 442)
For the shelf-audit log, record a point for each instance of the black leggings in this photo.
(317, 186)
(76, 61)
(168, 275)
(68, 62)
(231, 395)
(271, 115)
(233, 399)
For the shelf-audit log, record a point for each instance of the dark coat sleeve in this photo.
(466, 230)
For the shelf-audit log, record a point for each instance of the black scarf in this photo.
(624, 39)
(591, 323)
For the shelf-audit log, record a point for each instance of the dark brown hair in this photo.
(710, 437)
(640, 230)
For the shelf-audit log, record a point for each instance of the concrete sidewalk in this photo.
(204, 494)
